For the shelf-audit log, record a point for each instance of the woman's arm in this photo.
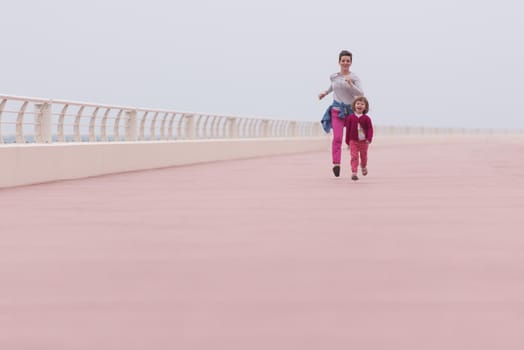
(354, 84)
(325, 93)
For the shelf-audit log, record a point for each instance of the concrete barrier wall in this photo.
(24, 164)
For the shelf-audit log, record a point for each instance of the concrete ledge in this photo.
(36, 163)
(24, 164)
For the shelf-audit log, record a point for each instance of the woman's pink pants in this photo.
(338, 132)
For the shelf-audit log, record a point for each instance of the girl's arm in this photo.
(369, 135)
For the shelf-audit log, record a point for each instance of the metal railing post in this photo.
(2, 105)
(265, 128)
(190, 126)
(131, 125)
(20, 123)
(233, 127)
(292, 129)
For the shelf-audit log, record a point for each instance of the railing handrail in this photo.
(132, 123)
(134, 108)
(129, 123)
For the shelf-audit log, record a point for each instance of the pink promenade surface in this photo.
(426, 252)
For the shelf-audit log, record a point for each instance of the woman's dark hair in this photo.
(345, 53)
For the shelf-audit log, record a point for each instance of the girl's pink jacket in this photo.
(352, 127)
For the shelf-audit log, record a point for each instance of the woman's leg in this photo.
(338, 131)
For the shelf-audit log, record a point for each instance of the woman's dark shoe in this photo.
(354, 177)
(336, 170)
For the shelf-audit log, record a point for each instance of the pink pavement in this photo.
(426, 252)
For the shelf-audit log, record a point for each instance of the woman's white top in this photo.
(342, 91)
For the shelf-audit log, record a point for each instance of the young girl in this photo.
(359, 134)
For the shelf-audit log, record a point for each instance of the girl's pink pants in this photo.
(358, 148)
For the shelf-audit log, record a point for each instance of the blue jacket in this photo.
(345, 110)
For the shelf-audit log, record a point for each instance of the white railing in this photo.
(28, 120)
(38, 120)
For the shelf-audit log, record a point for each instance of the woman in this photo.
(345, 86)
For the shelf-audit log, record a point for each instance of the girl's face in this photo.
(345, 62)
(360, 107)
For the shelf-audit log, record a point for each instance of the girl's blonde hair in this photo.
(362, 99)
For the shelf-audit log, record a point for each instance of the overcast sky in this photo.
(440, 63)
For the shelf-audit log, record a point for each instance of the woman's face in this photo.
(345, 62)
